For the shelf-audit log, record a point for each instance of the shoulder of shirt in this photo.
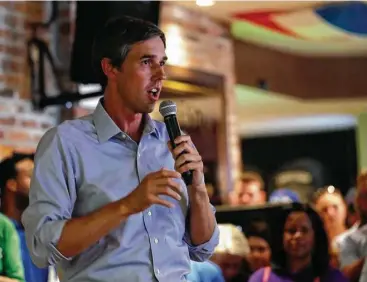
(205, 266)
(70, 129)
(335, 273)
(346, 234)
(258, 274)
(6, 222)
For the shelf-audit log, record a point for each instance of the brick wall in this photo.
(20, 126)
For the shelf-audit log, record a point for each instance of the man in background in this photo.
(15, 178)
(249, 190)
(11, 267)
(352, 244)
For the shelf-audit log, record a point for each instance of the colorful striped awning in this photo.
(339, 22)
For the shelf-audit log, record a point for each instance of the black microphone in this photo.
(168, 110)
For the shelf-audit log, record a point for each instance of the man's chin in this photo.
(150, 108)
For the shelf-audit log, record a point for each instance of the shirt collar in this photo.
(106, 128)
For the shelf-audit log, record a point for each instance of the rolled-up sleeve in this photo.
(204, 251)
(52, 197)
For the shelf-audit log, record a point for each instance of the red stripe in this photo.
(264, 19)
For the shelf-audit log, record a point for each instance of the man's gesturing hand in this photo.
(153, 185)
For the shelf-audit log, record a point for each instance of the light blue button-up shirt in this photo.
(84, 164)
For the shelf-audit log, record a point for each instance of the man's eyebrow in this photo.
(146, 56)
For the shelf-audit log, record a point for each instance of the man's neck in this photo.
(128, 122)
(335, 231)
(11, 211)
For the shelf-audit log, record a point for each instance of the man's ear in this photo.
(11, 185)
(108, 69)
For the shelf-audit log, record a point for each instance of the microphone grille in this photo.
(167, 108)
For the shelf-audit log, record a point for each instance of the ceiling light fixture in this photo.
(205, 3)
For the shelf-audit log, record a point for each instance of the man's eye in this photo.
(146, 62)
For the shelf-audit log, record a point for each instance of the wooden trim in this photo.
(195, 77)
(176, 89)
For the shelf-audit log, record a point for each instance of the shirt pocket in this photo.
(172, 221)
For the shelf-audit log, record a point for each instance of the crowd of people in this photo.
(318, 238)
(322, 240)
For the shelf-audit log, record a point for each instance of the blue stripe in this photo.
(350, 16)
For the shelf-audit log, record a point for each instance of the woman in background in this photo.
(259, 239)
(331, 206)
(231, 252)
(304, 255)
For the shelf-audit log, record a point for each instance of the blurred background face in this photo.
(298, 238)
(229, 264)
(260, 253)
(18, 188)
(250, 193)
(24, 170)
(332, 210)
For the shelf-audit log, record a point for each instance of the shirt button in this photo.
(149, 213)
(156, 240)
(123, 136)
(157, 271)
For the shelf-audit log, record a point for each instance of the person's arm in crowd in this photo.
(202, 233)
(7, 279)
(51, 232)
(350, 264)
(353, 270)
(12, 259)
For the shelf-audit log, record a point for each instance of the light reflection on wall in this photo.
(176, 51)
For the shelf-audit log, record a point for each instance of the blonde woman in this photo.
(231, 252)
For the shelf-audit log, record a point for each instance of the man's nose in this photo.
(256, 254)
(245, 199)
(331, 211)
(298, 234)
(160, 74)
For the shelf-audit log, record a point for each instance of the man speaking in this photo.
(107, 200)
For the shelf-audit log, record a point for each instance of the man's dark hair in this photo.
(115, 38)
(252, 176)
(260, 228)
(320, 254)
(8, 168)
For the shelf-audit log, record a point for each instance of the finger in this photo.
(191, 166)
(183, 147)
(184, 158)
(166, 190)
(170, 183)
(165, 173)
(159, 201)
(169, 144)
(183, 138)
